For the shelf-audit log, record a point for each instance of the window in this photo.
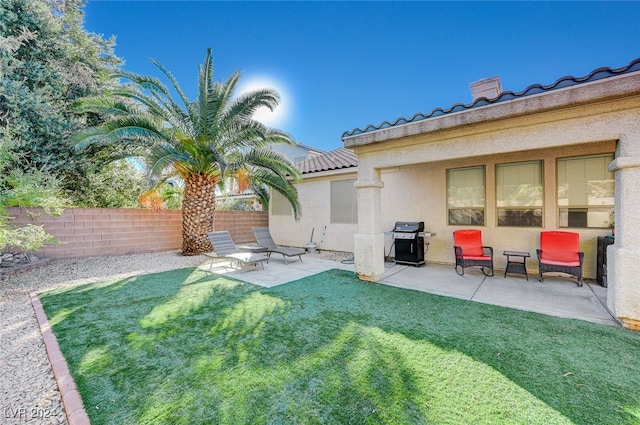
(279, 204)
(585, 191)
(465, 196)
(519, 194)
(344, 201)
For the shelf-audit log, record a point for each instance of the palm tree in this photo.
(203, 141)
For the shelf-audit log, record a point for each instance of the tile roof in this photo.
(310, 149)
(334, 160)
(563, 82)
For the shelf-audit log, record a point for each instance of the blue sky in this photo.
(342, 65)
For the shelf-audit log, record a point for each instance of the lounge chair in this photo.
(560, 252)
(470, 252)
(264, 239)
(225, 248)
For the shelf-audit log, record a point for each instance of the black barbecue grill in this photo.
(408, 238)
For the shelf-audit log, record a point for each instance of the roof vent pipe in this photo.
(487, 87)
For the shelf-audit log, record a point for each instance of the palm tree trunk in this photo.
(198, 206)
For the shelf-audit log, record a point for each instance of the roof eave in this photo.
(599, 90)
(332, 172)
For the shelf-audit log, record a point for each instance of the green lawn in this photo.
(190, 347)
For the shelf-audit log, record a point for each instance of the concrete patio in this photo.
(555, 296)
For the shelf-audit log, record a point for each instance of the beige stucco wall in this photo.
(413, 168)
(581, 119)
(418, 193)
(314, 195)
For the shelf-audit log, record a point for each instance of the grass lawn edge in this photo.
(294, 290)
(71, 400)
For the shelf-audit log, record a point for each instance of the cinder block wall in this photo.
(85, 232)
(239, 224)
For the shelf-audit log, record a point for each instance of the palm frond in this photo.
(132, 133)
(145, 82)
(102, 105)
(174, 82)
(159, 100)
(174, 114)
(220, 97)
(149, 103)
(262, 193)
(272, 161)
(270, 168)
(241, 137)
(205, 92)
(161, 160)
(275, 136)
(280, 185)
(251, 135)
(225, 91)
(214, 135)
(245, 106)
(157, 105)
(90, 136)
(121, 129)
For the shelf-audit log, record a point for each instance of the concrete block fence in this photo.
(88, 232)
(240, 223)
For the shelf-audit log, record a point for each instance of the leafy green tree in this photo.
(47, 60)
(114, 185)
(230, 204)
(201, 141)
(165, 195)
(24, 190)
(171, 195)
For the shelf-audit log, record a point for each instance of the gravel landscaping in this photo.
(28, 389)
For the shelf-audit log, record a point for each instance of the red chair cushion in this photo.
(470, 241)
(477, 257)
(561, 263)
(559, 247)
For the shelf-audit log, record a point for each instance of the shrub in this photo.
(27, 238)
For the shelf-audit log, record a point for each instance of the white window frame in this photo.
(464, 210)
(586, 191)
(520, 194)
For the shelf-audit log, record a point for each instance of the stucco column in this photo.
(369, 241)
(623, 257)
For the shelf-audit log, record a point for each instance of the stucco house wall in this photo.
(314, 194)
(420, 191)
(574, 116)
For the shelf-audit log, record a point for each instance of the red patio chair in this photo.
(471, 253)
(560, 252)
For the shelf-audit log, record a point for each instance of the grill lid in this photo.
(409, 226)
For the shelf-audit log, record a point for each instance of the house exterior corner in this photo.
(560, 157)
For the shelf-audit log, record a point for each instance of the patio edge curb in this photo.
(71, 400)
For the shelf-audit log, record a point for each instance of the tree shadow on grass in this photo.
(191, 347)
(586, 372)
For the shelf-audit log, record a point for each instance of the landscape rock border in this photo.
(6, 272)
(28, 385)
(71, 400)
